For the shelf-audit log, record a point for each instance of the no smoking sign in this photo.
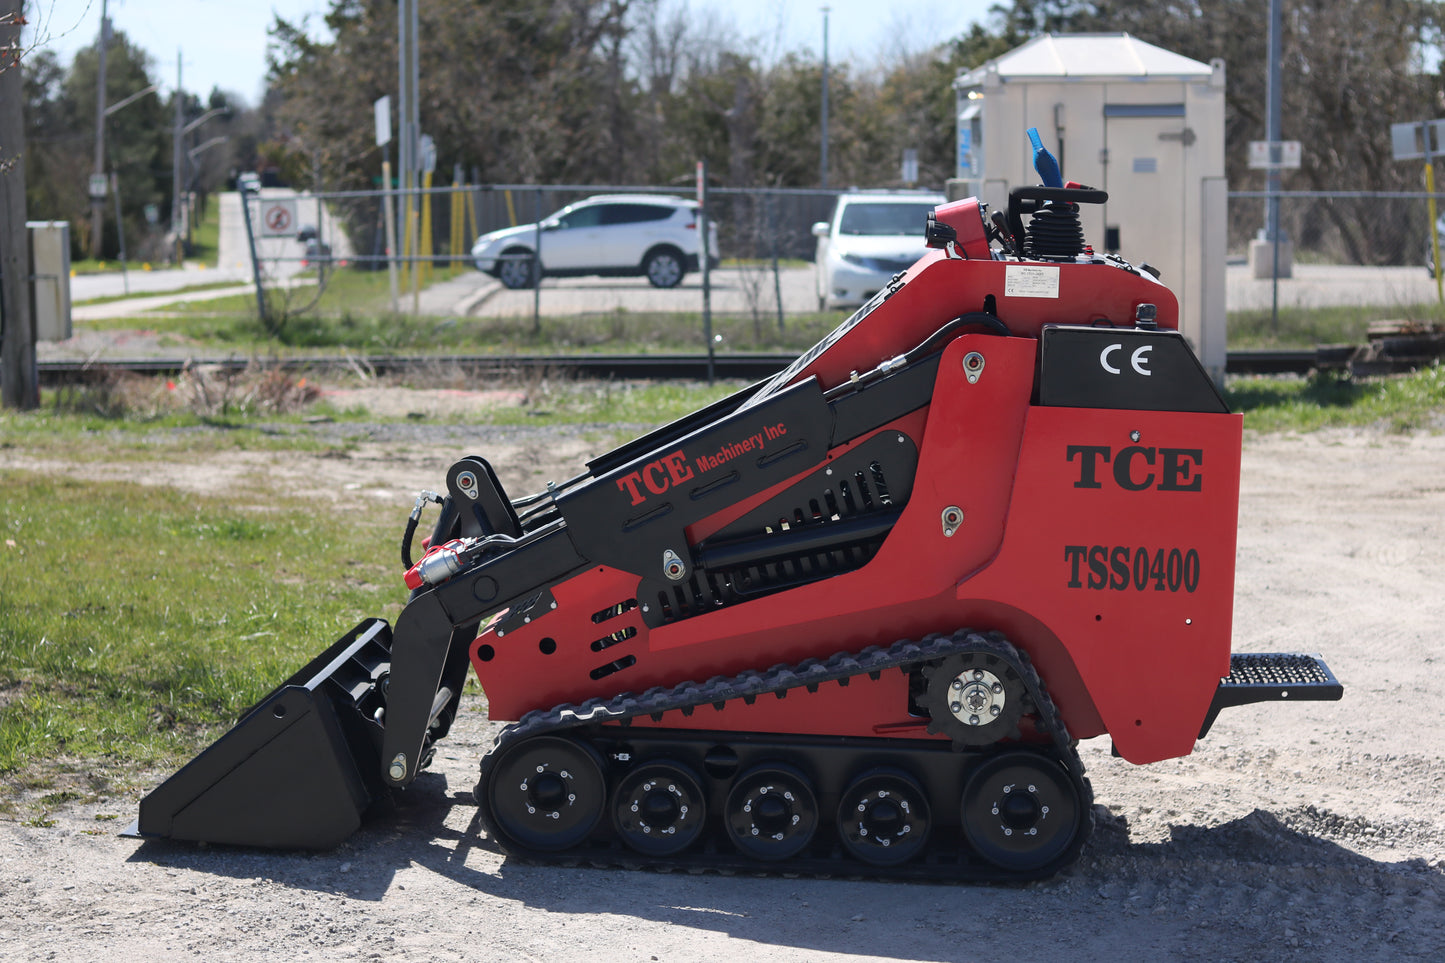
(278, 218)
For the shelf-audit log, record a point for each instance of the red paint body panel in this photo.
(1117, 583)
(938, 289)
(1149, 657)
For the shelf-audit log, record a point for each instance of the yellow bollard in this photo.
(1434, 234)
(425, 246)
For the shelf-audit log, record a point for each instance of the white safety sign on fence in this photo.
(278, 217)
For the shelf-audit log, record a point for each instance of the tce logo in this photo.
(656, 476)
(1136, 468)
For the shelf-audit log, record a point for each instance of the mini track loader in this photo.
(854, 618)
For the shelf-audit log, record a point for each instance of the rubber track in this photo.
(717, 854)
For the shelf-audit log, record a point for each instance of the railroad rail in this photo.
(661, 367)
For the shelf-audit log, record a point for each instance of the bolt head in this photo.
(955, 707)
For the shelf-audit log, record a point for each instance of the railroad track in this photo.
(661, 367)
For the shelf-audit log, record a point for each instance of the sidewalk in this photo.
(129, 306)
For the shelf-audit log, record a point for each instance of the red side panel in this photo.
(1121, 541)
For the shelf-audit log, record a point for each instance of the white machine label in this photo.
(1030, 281)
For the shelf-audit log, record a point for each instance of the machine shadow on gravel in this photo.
(1238, 855)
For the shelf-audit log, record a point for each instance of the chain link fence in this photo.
(1351, 247)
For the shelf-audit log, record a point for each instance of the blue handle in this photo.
(1044, 162)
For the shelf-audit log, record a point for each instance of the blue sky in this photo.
(223, 42)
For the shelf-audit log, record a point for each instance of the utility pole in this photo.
(408, 77)
(19, 383)
(823, 164)
(97, 203)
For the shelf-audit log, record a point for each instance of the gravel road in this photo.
(1294, 832)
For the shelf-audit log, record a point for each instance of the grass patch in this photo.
(206, 234)
(135, 647)
(127, 323)
(1327, 400)
(1304, 328)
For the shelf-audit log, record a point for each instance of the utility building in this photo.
(1133, 119)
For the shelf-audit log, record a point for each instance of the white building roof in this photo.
(1083, 55)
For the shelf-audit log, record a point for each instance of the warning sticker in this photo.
(1030, 281)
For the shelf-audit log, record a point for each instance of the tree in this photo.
(60, 103)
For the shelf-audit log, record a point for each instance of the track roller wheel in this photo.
(547, 793)
(658, 808)
(771, 812)
(883, 818)
(1020, 810)
(974, 698)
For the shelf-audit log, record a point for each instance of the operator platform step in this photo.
(1273, 677)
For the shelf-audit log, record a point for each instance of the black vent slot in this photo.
(608, 641)
(613, 611)
(603, 671)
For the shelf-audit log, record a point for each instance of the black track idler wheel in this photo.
(658, 808)
(546, 793)
(1021, 811)
(883, 818)
(771, 812)
(975, 698)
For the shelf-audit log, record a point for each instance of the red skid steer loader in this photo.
(852, 619)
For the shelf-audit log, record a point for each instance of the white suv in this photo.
(871, 236)
(611, 234)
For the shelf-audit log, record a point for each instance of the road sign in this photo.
(1273, 155)
(98, 184)
(278, 217)
(910, 166)
(382, 110)
(1417, 141)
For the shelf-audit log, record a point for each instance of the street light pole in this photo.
(823, 163)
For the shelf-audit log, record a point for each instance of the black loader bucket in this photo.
(300, 767)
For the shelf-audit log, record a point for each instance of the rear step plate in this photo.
(1273, 677)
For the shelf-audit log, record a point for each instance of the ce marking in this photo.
(1139, 360)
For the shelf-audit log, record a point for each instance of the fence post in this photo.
(705, 256)
(537, 267)
(244, 195)
(768, 201)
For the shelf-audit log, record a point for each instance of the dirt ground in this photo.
(1311, 831)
